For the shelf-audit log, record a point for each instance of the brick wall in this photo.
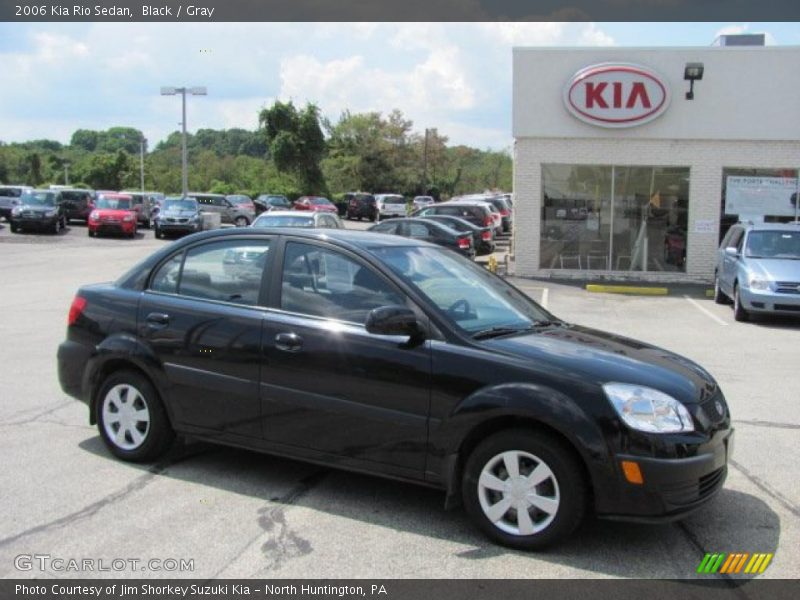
(706, 159)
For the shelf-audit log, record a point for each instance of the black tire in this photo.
(90, 233)
(241, 222)
(56, 227)
(14, 228)
(739, 312)
(567, 484)
(158, 232)
(719, 295)
(157, 435)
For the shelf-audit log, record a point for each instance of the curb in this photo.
(632, 290)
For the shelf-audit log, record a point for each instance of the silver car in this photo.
(240, 215)
(758, 268)
(295, 218)
(9, 198)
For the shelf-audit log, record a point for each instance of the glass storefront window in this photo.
(614, 218)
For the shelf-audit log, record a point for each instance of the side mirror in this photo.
(393, 320)
(731, 251)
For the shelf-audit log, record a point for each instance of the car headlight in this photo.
(127, 218)
(16, 210)
(50, 213)
(94, 215)
(756, 283)
(646, 409)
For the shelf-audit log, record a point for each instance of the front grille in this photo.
(689, 492)
(28, 214)
(787, 287)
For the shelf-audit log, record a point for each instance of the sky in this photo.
(453, 76)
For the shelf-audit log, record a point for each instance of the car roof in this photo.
(349, 238)
(117, 196)
(794, 226)
(288, 213)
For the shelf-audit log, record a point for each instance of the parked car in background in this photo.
(502, 223)
(10, 197)
(390, 205)
(426, 230)
(113, 213)
(315, 203)
(41, 210)
(758, 268)
(422, 201)
(178, 216)
(293, 218)
(506, 214)
(361, 205)
(271, 202)
(482, 237)
(78, 203)
(143, 205)
(477, 214)
(242, 201)
(239, 215)
(398, 358)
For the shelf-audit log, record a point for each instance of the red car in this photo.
(315, 203)
(113, 213)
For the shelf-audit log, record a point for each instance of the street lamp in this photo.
(194, 91)
(66, 172)
(142, 143)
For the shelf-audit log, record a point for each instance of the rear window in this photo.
(239, 200)
(11, 192)
(394, 199)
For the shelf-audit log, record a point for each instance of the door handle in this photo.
(288, 342)
(157, 320)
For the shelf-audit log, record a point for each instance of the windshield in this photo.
(180, 204)
(469, 296)
(39, 199)
(283, 221)
(278, 201)
(773, 244)
(239, 200)
(319, 201)
(114, 203)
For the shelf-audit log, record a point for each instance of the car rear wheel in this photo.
(524, 489)
(131, 418)
(739, 312)
(14, 228)
(241, 222)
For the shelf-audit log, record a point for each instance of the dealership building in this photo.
(631, 163)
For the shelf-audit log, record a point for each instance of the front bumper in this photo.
(767, 301)
(34, 223)
(168, 227)
(674, 487)
(112, 226)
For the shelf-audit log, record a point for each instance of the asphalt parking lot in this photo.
(241, 514)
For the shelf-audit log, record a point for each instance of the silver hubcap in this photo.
(241, 222)
(518, 493)
(126, 418)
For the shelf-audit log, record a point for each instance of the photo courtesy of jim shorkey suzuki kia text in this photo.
(191, 590)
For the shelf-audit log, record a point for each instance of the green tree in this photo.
(296, 143)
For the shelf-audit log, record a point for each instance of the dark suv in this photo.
(476, 213)
(78, 203)
(387, 355)
(361, 206)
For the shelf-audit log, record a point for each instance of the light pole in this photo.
(142, 142)
(66, 173)
(194, 91)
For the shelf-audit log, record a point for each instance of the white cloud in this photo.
(547, 34)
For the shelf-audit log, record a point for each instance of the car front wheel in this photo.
(524, 489)
(131, 418)
(241, 222)
(719, 295)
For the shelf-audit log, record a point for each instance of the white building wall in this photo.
(706, 159)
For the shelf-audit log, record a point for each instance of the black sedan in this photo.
(42, 210)
(429, 231)
(178, 216)
(391, 356)
(482, 237)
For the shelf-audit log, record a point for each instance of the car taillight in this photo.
(486, 236)
(463, 243)
(505, 213)
(76, 309)
(488, 220)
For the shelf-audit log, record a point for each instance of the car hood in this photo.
(605, 357)
(114, 212)
(775, 269)
(178, 213)
(323, 208)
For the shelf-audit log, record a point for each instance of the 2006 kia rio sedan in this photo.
(385, 355)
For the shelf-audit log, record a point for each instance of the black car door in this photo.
(327, 385)
(201, 315)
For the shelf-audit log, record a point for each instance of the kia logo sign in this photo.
(616, 95)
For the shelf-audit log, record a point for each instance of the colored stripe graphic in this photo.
(734, 563)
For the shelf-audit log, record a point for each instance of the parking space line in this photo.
(545, 293)
(705, 311)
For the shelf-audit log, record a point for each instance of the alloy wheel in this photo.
(126, 416)
(518, 493)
